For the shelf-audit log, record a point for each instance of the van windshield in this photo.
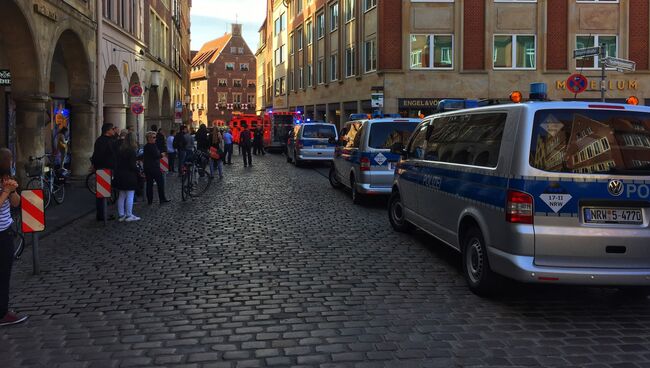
(317, 131)
(591, 141)
(386, 134)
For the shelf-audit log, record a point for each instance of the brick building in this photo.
(419, 52)
(223, 81)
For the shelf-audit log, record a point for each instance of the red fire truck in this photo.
(277, 126)
(252, 121)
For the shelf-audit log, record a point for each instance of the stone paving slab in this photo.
(273, 267)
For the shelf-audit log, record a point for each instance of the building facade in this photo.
(418, 52)
(223, 80)
(272, 54)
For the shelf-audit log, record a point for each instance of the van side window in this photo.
(419, 142)
(468, 139)
(351, 135)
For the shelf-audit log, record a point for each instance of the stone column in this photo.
(31, 118)
(82, 137)
(116, 115)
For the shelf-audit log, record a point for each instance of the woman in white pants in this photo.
(126, 178)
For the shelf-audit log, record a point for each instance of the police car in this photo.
(362, 159)
(540, 192)
(311, 142)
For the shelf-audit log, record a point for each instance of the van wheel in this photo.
(296, 161)
(357, 198)
(396, 214)
(476, 266)
(334, 181)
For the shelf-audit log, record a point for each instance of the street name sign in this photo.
(620, 64)
(589, 51)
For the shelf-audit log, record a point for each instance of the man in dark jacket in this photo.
(245, 142)
(180, 146)
(202, 139)
(161, 141)
(104, 157)
(152, 169)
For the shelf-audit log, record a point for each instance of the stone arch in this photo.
(70, 53)
(152, 110)
(113, 88)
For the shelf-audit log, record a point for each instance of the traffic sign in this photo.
(137, 108)
(620, 64)
(577, 83)
(135, 90)
(137, 100)
(32, 211)
(178, 105)
(103, 183)
(589, 51)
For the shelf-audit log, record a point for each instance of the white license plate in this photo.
(613, 216)
(320, 146)
(392, 165)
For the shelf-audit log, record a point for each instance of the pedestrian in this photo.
(8, 198)
(62, 145)
(258, 141)
(245, 143)
(171, 152)
(228, 145)
(216, 147)
(161, 142)
(152, 171)
(202, 139)
(104, 157)
(255, 142)
(179, 145)
(126, 178)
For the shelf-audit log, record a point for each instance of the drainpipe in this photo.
(100, 82)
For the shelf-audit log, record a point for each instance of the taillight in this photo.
(519, 208)
(365, 164)
(299, 144)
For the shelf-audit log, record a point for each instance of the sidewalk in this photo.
(79, 201)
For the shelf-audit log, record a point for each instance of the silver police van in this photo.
(362, 159)
(540, 192)
(311, 142)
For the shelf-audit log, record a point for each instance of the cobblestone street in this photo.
(273, 267)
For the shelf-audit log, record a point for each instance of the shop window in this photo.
(514, 52)
(421, 56)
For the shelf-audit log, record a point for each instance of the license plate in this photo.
(613, 216)
(320, 146)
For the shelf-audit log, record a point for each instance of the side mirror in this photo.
(398, 149)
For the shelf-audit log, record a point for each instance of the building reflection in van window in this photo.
(385, 134)
(468, 139)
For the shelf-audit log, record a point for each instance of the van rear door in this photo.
(592, 202)
(383, 135)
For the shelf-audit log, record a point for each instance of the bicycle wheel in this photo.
(18, 236)
(59, 193)
(201, 182)
(186, 184)
(91, 182)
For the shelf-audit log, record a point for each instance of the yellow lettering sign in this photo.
(632, 84)
(594, 85)
(560, 84)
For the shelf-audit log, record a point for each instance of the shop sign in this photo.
(418, 103)
(611, 85)
(46, 11)
(377, 99)
(5, 77)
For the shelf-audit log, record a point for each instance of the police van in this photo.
(362, 158)
(310, 141)
(540, 192)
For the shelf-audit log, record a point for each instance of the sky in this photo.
(212, 18)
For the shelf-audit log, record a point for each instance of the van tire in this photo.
(357, 198)
(397, 219)
(296, 161)
(334, 181)
(480, 278)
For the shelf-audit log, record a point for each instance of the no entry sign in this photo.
(32, 211)
(577, 83)
(135, 90)
(137, 108)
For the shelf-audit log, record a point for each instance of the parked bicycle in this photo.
(17, 232)
(195, 180)
(43, 175)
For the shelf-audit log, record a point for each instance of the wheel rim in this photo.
(475, 259)
(397, 211)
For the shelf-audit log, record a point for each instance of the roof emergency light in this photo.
(632, 100)
(516, 97)
(538, 92)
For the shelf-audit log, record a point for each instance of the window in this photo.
(611, 49)
(291, 45)
(334, 17)
(597, 1)
(349, 62)
(386, 134)
(233, 50)
(309, 35)
(222, 97)
(299, 39)
(350, 135)
(349, 10)
(223, 83)
(320, 71)
(236, 98)
(301, 79)
(333, 67)
(418, 143)
(310, 75)
(298, 6)
(280, 23)
(291, 81)
(514, 52)
(243, 67)
(250, 98)
(279, 55)
(251, 84)
(467, 139)
(320, 25)
(369, 4)
(370, 56)
(240, 50)
(442, 56)
(230, 66)
(236, 83)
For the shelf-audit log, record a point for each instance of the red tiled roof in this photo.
(210, 50)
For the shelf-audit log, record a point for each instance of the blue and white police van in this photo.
(362, 158)
(539, 192)
(311, 141)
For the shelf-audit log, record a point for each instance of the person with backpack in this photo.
(246, 143)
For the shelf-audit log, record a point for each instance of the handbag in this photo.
(214, 153)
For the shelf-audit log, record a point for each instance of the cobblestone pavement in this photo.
(275, 268)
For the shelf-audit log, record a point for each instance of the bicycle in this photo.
(17, 232)
(194, 179)
(44, 176)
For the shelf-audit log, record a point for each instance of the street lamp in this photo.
(155, 78)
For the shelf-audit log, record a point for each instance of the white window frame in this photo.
(299, 40)
(242, 65)
(310, 75)
(222, 80)
(301, 78)
(345, 13)
(226, 66)
(234, 83)
(348, 64)
(365, 56)
(320, 71)
(309, 32)
(596, 43)
(598, 1)
(432, 48)
(334, 61)
(515, 1)
(365, 5)
(320, 35)
(514, 51)
(334, 26)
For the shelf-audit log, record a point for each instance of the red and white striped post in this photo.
(164, 164)
(33, 220)
(103, 188)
